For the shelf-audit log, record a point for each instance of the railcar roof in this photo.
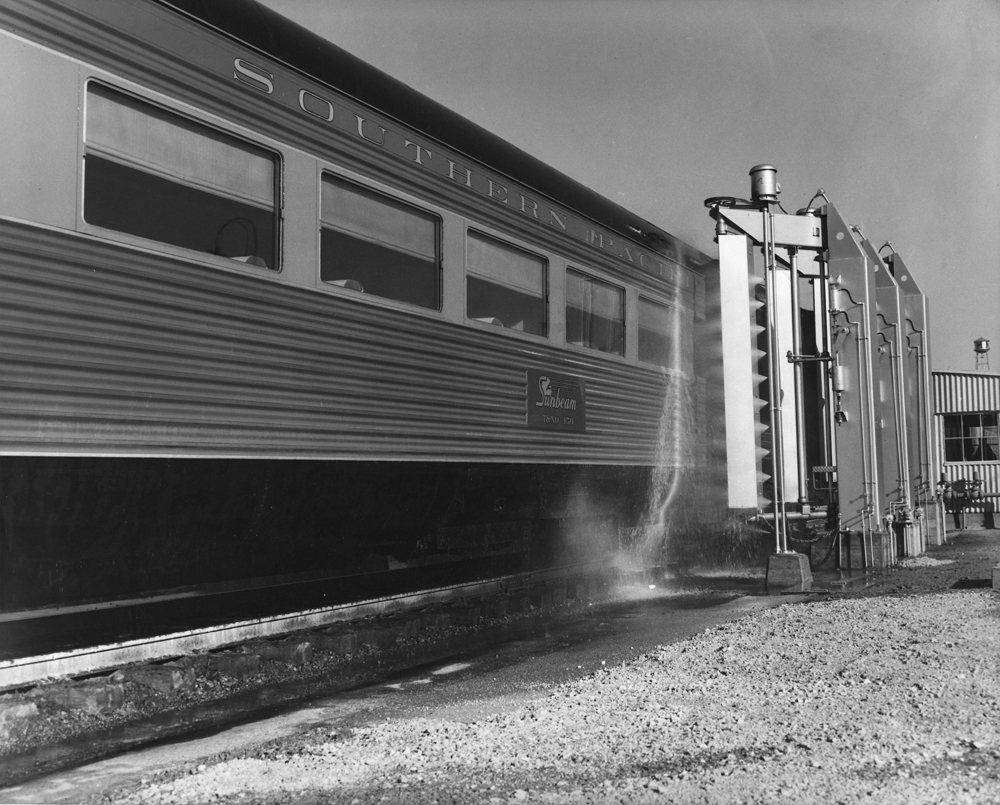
(267, 31)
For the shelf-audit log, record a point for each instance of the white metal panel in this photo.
(39, 129)
(738, 362)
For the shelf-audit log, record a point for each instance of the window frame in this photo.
(399, 198)
(197, 118)
(676, 343)
(546, 259)
(600, 278)
(964, 418)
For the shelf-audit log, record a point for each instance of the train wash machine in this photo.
(826, 372)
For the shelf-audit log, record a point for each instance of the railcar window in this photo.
(505, 285)
(658, 334)
(156, 175)
(595, 313)
(372, 243)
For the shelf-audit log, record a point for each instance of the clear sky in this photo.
(891, 106)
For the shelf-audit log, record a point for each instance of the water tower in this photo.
(982, 348)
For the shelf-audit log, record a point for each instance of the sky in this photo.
(892, 107)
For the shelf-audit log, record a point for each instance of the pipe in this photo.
(815, 514)
(923, 431)
(902, 463)
(840, 541)
(826, 380)
(800, 411)
(926, 425)
(867, 447)
(944, 518)
(777, 442)
(924, 484)
(866, 409)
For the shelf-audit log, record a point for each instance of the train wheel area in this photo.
(66, 722)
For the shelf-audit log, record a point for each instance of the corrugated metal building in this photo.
(967, 411)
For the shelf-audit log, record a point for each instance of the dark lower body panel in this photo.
(96, 550)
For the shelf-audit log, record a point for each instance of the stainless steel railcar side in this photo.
(201, 419)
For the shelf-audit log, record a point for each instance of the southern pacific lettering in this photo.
(382, 136)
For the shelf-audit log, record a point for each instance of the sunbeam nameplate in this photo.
(556, 402)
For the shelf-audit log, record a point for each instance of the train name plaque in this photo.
(556, 402)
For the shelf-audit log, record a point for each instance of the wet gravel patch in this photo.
(887, 694)
(58, 735)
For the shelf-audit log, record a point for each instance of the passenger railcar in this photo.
(277, 332)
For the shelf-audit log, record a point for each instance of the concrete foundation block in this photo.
(234, 664)
(167, 678)
(338, 641)
(787, 570)
(379, 637)
(16, 718)
(541, 598)
(598, 587)
(410, 627)
(197, 662)
(294, 652)
(577, 590)
(558, 596)
(996, 577)
(465, 615)
(88, 697)
(495, 608)
(435, 619)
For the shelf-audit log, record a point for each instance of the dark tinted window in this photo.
(658, 336)
(372, 243)
(595, 313)
(157, 175)
(971, 437)
(505, 285)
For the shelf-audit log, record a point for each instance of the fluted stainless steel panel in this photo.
(110, 350)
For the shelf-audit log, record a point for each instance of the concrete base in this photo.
(873, 551)
(787, 569)
(936, 534)
(996, 577)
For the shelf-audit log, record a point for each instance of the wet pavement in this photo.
(502, 671)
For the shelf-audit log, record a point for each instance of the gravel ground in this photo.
(888, 694)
